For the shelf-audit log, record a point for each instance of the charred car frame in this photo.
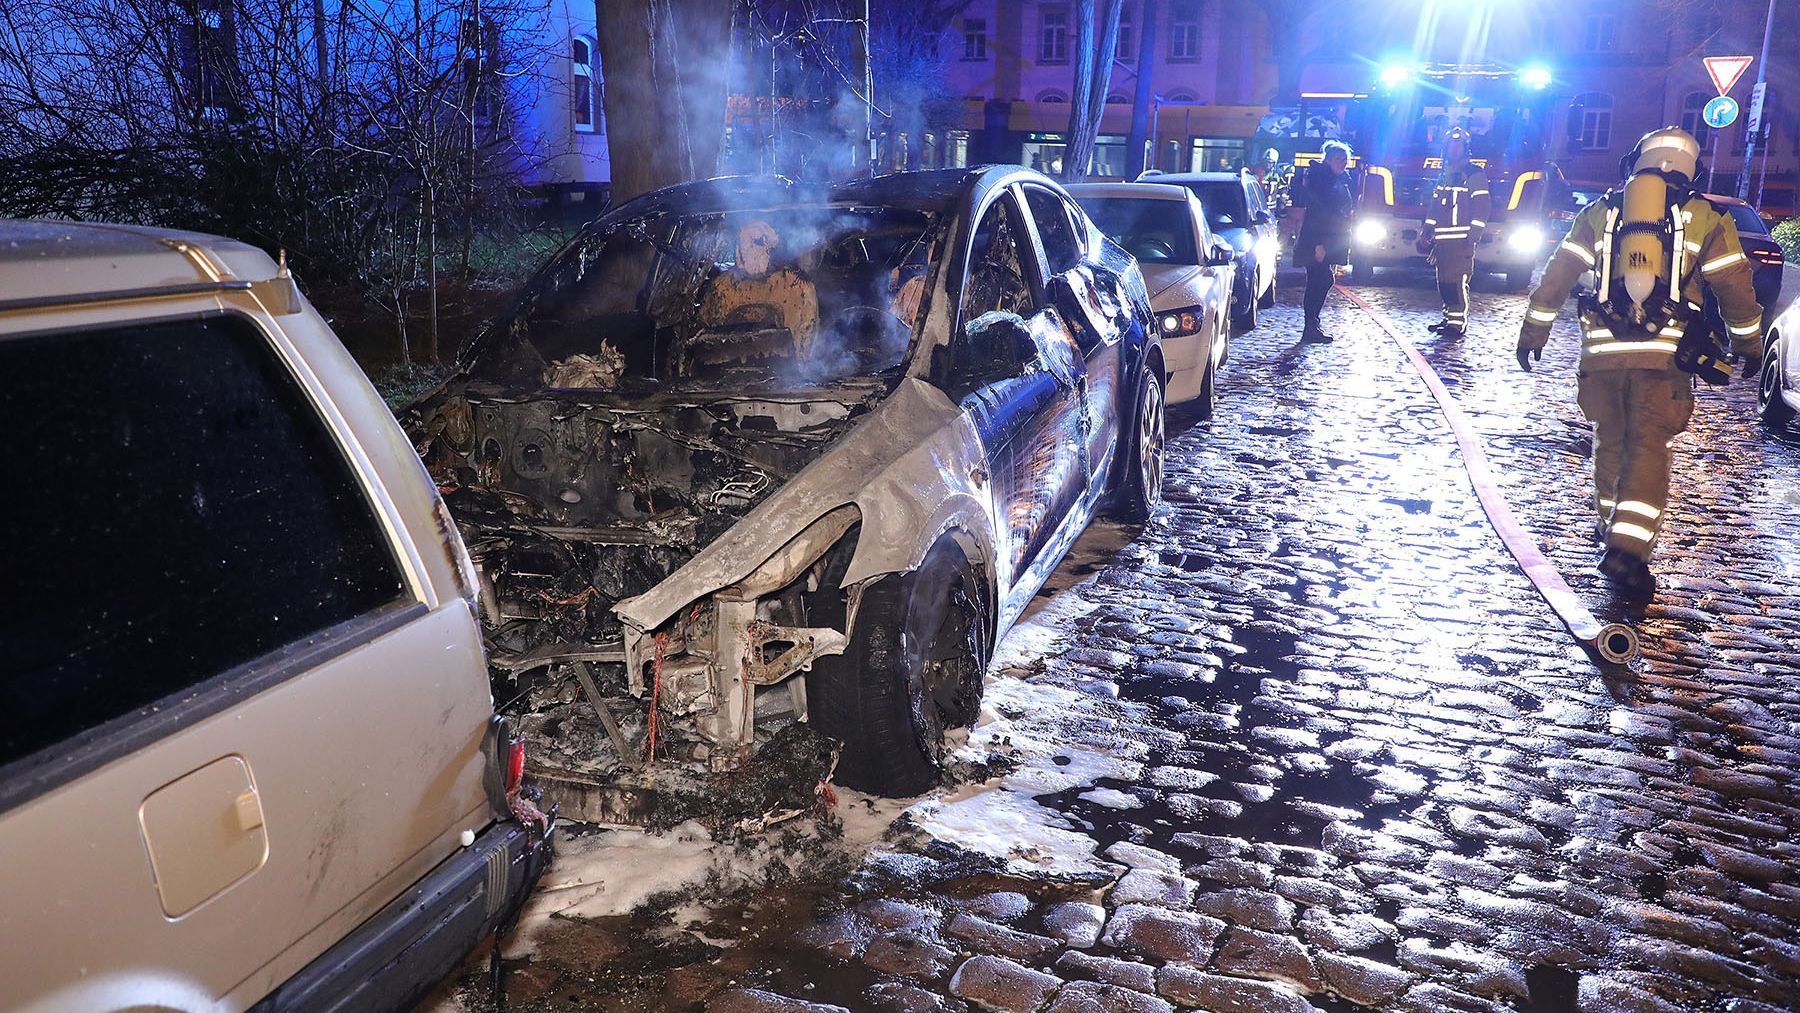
(753, 452)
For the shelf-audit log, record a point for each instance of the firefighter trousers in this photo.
(1455, 262)
(1637, 413)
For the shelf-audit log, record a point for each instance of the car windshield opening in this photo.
(1153, 231)
(767, 299)
(1224, 203)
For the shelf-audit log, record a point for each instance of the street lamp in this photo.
(1394, 75)
(1537, 77)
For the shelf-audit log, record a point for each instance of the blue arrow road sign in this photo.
(1720, 112)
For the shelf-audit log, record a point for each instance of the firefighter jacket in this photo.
(1459, 205)
(1706, 253)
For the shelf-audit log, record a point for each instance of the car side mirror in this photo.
(1261, 218)
(997, 344)
(1220, 253)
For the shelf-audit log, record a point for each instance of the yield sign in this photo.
(1726, 70)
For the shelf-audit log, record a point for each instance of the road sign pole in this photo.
(1712, 161)
(1760, 105)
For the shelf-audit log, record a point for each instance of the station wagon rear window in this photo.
(177, 508)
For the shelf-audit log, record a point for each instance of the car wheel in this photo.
(1518, 279)
(1770, 398)
(1142, 489)
(1243, 310)
(1268, 298)
(1362, 272)
(912, 669)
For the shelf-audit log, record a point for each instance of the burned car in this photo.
(753, 453)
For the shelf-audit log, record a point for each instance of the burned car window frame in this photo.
(522, 351)
(54, 763)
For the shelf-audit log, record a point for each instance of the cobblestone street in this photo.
(1331, 749)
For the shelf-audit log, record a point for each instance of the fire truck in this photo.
(1397, 128)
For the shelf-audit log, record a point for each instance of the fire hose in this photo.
(1615, 643)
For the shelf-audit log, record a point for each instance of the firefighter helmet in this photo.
(1671, 150)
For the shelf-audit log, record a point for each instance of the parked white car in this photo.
(1187, 268)
(1778, 389)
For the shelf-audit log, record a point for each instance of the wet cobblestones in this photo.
(1396, 783)
(1356, 763)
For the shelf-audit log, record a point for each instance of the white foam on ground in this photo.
(1111, 798)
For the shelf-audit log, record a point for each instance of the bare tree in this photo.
(666, 64)
(351, 141)
(1096, 43)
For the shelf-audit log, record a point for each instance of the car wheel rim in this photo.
(1150, 440)
(1770, 388)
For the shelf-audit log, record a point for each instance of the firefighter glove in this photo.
(1530, 350)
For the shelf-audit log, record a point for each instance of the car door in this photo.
(227, 685)
(1016, 375)
(1087, 296)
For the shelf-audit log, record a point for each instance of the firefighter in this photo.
(1453, 226)
(1652, 246)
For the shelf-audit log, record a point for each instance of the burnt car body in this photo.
(755, 452)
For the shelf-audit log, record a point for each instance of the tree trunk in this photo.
(1095, 46)
(665, 89)
(1138, 139)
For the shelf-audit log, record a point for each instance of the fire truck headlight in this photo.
(1536, 76)
(1395, 74)
(1525, 239)
(1370, 233)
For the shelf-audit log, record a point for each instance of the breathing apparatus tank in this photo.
(1664, 160)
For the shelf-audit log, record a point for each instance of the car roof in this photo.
(1200, 177)
(1141, 191)
(50, 262)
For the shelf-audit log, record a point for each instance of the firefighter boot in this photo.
(1629, 574)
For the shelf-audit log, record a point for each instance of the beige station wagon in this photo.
(248, 756)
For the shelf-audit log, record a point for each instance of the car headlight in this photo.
(1182, 322)
(1525, 239)
(1369, 233)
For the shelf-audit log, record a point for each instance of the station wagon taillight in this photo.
(515, 766)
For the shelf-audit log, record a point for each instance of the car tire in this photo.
(1362, 273)
(1770, 403)
(1518, 279)
(913, 668)
(1243, 311)
(1267, 301)
(1141, 490)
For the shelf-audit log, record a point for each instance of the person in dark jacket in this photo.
(1323, 190)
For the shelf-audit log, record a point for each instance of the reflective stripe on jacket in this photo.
(1711, 257)
(1460, 205)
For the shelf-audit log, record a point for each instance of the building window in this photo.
(1126, 33)
(1052, 97)
(1544, 36)
(1590, 122)
(1053, 35)
(957, 155)
(1691, 120)
(1218, 154)
(1116, 99)
(1184, 31)
(1598, 35)
(581, 73)
(974, 38)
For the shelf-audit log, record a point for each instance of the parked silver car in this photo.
(248, 759)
